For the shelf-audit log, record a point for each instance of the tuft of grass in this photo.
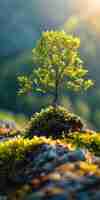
(17, 147)
(89, 140)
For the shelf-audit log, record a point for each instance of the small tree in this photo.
(57, 65)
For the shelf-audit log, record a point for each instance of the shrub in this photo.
(55, 122)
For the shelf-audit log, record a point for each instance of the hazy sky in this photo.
(22, 20)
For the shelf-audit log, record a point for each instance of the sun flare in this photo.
(88, 6)
(89, 10)
(94, 5)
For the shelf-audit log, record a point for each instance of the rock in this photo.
(75, 156)
(35, 196)
(3, 197)
(53, 173)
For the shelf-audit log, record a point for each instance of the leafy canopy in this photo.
(57, 65)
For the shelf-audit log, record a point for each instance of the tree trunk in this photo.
(55, 101)
(56, 95)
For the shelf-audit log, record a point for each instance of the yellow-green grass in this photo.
(16, 148)
(89, 140)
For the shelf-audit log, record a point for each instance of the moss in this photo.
(54, 122)
(15, 154)
(89, 140)
(15, 150)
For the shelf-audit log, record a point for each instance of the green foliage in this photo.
(16, 148)
(54, 122)
(58, 65)
(89, 140)
(16, 154)
(13, 154)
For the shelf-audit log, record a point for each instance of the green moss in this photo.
(89, 140)
(54, 122)
(15, 154)
(16, 148)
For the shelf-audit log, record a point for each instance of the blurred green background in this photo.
(21, 24)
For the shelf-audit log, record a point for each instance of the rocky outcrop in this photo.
(54, 172)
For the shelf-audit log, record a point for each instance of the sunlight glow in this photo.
(94, 5)
(89, 11)
(94, 15)
(96, 2)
